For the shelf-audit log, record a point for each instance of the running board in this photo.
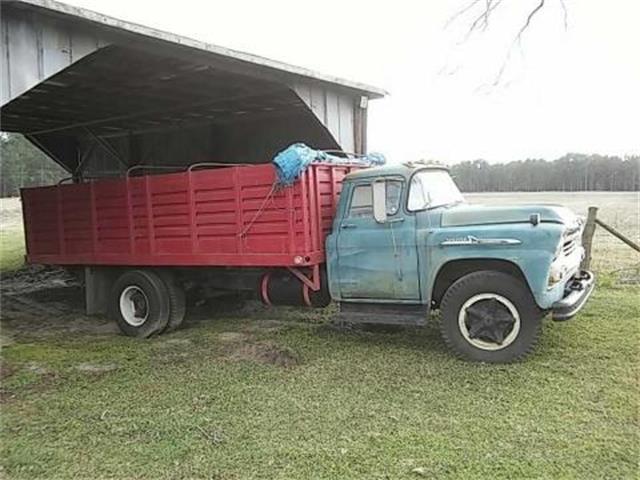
(382, 313)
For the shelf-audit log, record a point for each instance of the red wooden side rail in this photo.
(230, 216)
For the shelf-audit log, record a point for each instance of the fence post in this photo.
(587, 237)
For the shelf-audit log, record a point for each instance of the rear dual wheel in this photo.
(146, 303)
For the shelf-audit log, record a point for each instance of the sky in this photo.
(569, 86)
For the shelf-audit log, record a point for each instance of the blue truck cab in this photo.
(405, 242)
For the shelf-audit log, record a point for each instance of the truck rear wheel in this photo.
(140, 303)
(177, 301)
(490, 316)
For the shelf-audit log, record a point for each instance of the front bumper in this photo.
(577, 292)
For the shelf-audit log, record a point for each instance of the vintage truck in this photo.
(388, 244)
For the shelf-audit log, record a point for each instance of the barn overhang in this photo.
(100, 95)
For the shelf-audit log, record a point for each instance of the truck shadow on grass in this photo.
(44, 306)
(58, 311)
(254, 317)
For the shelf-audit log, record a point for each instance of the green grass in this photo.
(11, 249)
(357, 405)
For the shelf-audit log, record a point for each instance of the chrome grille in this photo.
(571, 241)
(569, 246)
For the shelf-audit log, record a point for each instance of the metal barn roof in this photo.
(99, 93)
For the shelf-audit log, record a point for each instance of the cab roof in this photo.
(402, 170)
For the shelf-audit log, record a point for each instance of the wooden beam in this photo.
(619, 235)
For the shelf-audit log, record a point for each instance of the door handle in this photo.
(348, 225)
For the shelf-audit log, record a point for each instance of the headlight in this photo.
(556, 273)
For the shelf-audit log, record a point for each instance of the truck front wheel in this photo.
(490, 316)
(140, 303)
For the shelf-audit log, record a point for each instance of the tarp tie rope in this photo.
(294, 160)
(269, 196)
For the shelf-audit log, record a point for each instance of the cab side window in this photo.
(362, 199)
(393, 192)
(361, 202)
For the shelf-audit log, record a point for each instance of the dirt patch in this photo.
(266, 353)
(629, 276)
(174, 358)
(40, 301)
(233, 337)
(28, 326)
(266, 326)
(6, 396)
(173, 351)
(44, 382)
(6, 370)
(240, 346)
(32, 278)
(174, 343)
(36, 368)
(6, 338)
(96, 367)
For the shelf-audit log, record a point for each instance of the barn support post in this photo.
(360, 125)
(96, 290)
(587, 237)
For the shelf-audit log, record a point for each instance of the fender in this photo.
(530, 248)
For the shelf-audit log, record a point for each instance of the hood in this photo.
(464, 214)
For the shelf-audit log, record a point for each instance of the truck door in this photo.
(377, 261)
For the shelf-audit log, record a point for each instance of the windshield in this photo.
(432, 188)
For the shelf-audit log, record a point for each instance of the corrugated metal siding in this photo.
(335, 109)
(35, 47)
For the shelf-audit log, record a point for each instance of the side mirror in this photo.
(380, 201)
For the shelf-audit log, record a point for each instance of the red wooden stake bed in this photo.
(229, 216)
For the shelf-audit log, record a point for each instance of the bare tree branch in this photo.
(566, 14)
(517, 41)
(483, 18)
(532, 14)
(480, 22)
(461, 12)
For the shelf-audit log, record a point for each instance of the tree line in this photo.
(23, 165)
(572, 172)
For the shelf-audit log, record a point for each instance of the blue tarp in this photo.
(296, 158)
(292, 161)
